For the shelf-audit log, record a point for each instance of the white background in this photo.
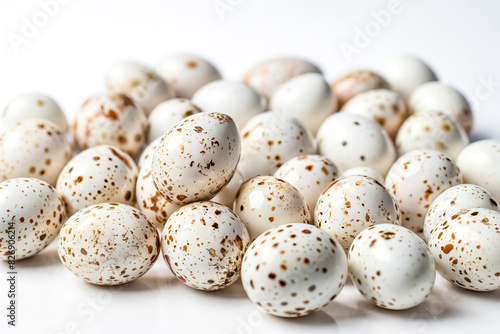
(67, 57)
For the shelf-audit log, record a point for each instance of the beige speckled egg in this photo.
(186, 73)
(141, 83)
(357, 82)
(432, 130)
(203, 244)
(293, 270)
(384, 106)
(33, 105)
(112, 119)
(271, 139)
(310, 174)
(265, 202)
(268, 75)
(416, 179)
(31, 214)
(34, 148)
(196, 158)
(353, 203)
(99, 174)
(108, 244)
(466, 247)
(168, 113)
(366, 171)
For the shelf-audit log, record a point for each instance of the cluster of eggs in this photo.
(287, 181)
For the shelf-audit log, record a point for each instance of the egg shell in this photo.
(34, 148)
(405, 73)
(353, 203)
(271, 139)
(32, 212)
(98, 175)
(310, 174)
(265, 202)
(196, 158)
(416, 179)
(140, 82)
(352, 140)
(146, 156)
(384, 106)
(227, 194)
(265, 77)
(112, 119)
(391, 267)
(438, 96)
(308, 97)
(108, 244)
(455, 199)
(203, 244)
(366, 171)
(356, 82)
(186, 73)
(480, 164)
(28, 106)
(466, 249)
(293, 270)
(168, 113)
(235, 99)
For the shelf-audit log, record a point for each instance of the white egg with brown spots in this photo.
(108, 244)
(31, 214)
(227, 195)
(98, 175)
(196, 158)
(416, 179)
(357, 82)
(203, 244)
(466, 247)
(34, 148)
(310, 174)
(366, 171)
(455, 199)
(294, 270)
(265, 202)
(391, 267)
(146, 156)
(353, 203)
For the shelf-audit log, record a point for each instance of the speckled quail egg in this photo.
(357, 82)
(269, 140)
(141, 83)
(391, 267)
(167, 114)
(384, 106)
(112, 119)
(196, 158)
(227, 194)
(264, 202)
(353, 203)
(466, 247)
(310, 174)
(432, 130)
(405, 73)
(366, 171)
(293, 270)
(455, 199)
(307, 97)
(352, 140)
(437, 96)
(479, 163)
(186, 73)
(146, 156)
(108, 244)
(31, 214)
(203, 244)
(268, 75)
(235, 99)
(33, 105)
(97, 175)
(34, 148)
(416, 179)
